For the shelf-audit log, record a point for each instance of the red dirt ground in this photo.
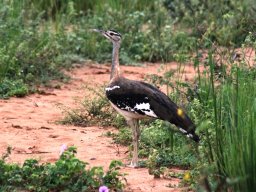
(29, 126)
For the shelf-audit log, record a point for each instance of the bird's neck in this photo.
(115, 70)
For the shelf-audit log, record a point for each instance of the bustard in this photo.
(136, 100)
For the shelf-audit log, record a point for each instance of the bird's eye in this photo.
(111, 34)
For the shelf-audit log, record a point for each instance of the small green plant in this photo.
(123, 137)
(92, 110)
(10, 88)
(66, 174)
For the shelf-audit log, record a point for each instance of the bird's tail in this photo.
(185, 125)
(193, 135)
(190, 133)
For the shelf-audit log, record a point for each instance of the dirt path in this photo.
(28, 126)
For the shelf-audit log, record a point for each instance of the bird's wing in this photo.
(139, 97)
(131, 96)
(144, 99)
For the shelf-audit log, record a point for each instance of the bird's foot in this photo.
(136, 165)
(133, 165)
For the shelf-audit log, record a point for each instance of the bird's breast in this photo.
(128, 115)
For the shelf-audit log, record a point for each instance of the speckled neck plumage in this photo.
(115, 69)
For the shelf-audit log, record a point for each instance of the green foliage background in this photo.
(38, 38)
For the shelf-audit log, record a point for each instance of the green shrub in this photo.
(172, 148)
(225, 22)
(10, 88)
(29, 52)
(66, 174)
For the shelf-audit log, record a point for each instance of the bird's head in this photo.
(114, 36)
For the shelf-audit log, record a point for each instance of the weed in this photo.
(92, 111)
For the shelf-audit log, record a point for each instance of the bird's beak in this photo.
(102, 32)
(98, 30)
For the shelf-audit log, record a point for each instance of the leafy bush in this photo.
(66, 174)
(29, 52)
(10, 88)
(147, 31)
(225, 22)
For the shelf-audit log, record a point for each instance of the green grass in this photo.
(225, 112)
(235, 129)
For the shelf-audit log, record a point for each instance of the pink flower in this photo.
(63, 148)
(103, 189)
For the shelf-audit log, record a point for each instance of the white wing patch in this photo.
(182, 130)
(112, 88)
(145, 107)
(189, 135)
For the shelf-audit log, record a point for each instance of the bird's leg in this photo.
(134, 123)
